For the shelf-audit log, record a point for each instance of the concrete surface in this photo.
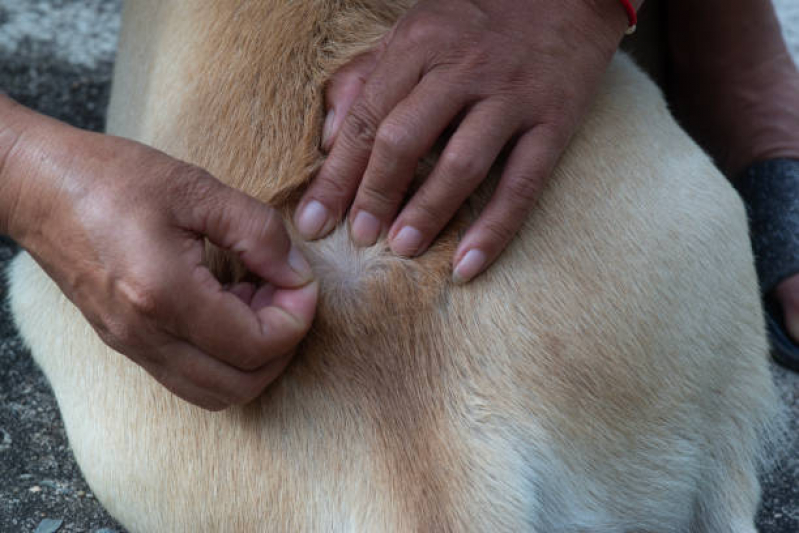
(56, 56)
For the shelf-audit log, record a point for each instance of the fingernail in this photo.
(469, 266)
(312, 219)
(365, 229)
(299, 264)
(327, 131)
(407, 241)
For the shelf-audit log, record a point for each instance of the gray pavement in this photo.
(56, 56)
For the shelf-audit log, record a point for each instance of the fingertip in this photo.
(365, 229)
(313, 220)
(299, 265)
(299, 303)
(294, 309)
(407, 242)
(469, 266)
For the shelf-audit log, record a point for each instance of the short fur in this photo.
(608, 374)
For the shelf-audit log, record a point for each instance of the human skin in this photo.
(735, 88)
(127, 249)
(508, 74)
(90, 207)
(120, 228)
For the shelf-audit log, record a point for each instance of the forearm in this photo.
(732, 81)
(729, 41)
(14, 122)
(35, 151)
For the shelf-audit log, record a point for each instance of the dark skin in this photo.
(90, 207)
(508, 74)
(736, 89)
(120, 228)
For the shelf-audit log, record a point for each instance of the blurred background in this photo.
(57, 56)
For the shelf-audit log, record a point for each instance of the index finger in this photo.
(334, 187)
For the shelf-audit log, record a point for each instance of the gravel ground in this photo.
(56, 56)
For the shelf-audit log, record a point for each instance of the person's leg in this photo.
(735, 88)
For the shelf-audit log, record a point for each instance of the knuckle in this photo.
(361, 125)
(523, 191)
(393, 138)
(376, 198)
(457, 167)
(330, 187)
(425, 215)
(142, 299)
(264, 225)
(190, 181)
(423, 30)
(498, 231)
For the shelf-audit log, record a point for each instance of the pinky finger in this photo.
(526, 171)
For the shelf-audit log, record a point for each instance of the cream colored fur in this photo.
(609, 374)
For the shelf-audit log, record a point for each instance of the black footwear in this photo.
(770, 190)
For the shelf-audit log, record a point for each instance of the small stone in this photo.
(35, 489)
(80, 494)
(5, 440)
(49, 526)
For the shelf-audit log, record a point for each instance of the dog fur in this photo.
(608, 374)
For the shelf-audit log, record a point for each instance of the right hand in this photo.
(120, 227)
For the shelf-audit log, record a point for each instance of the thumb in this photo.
(252, 230)
(341, 92)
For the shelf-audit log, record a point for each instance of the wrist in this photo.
(27, 168)
(14, 123)
(613, 15)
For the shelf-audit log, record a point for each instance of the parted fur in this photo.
(608, 374)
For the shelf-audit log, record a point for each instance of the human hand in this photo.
(120, 226)
(507, 73)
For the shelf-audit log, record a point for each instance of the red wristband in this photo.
(632, 16)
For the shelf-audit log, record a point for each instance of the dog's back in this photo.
(608, 374)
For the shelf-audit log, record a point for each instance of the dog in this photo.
(608, 374)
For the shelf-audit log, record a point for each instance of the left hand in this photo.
(516, 73)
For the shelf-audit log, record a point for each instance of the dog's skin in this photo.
(608, 374)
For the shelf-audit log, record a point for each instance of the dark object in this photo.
(770, 190)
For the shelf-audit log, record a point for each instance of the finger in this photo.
(194, 306)
(254, 231)
(244, 334)
(206, 382)
(341, 92)
(243, 291)
(462, 166)
(407, 134)
(523, 178)
(333, 188)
